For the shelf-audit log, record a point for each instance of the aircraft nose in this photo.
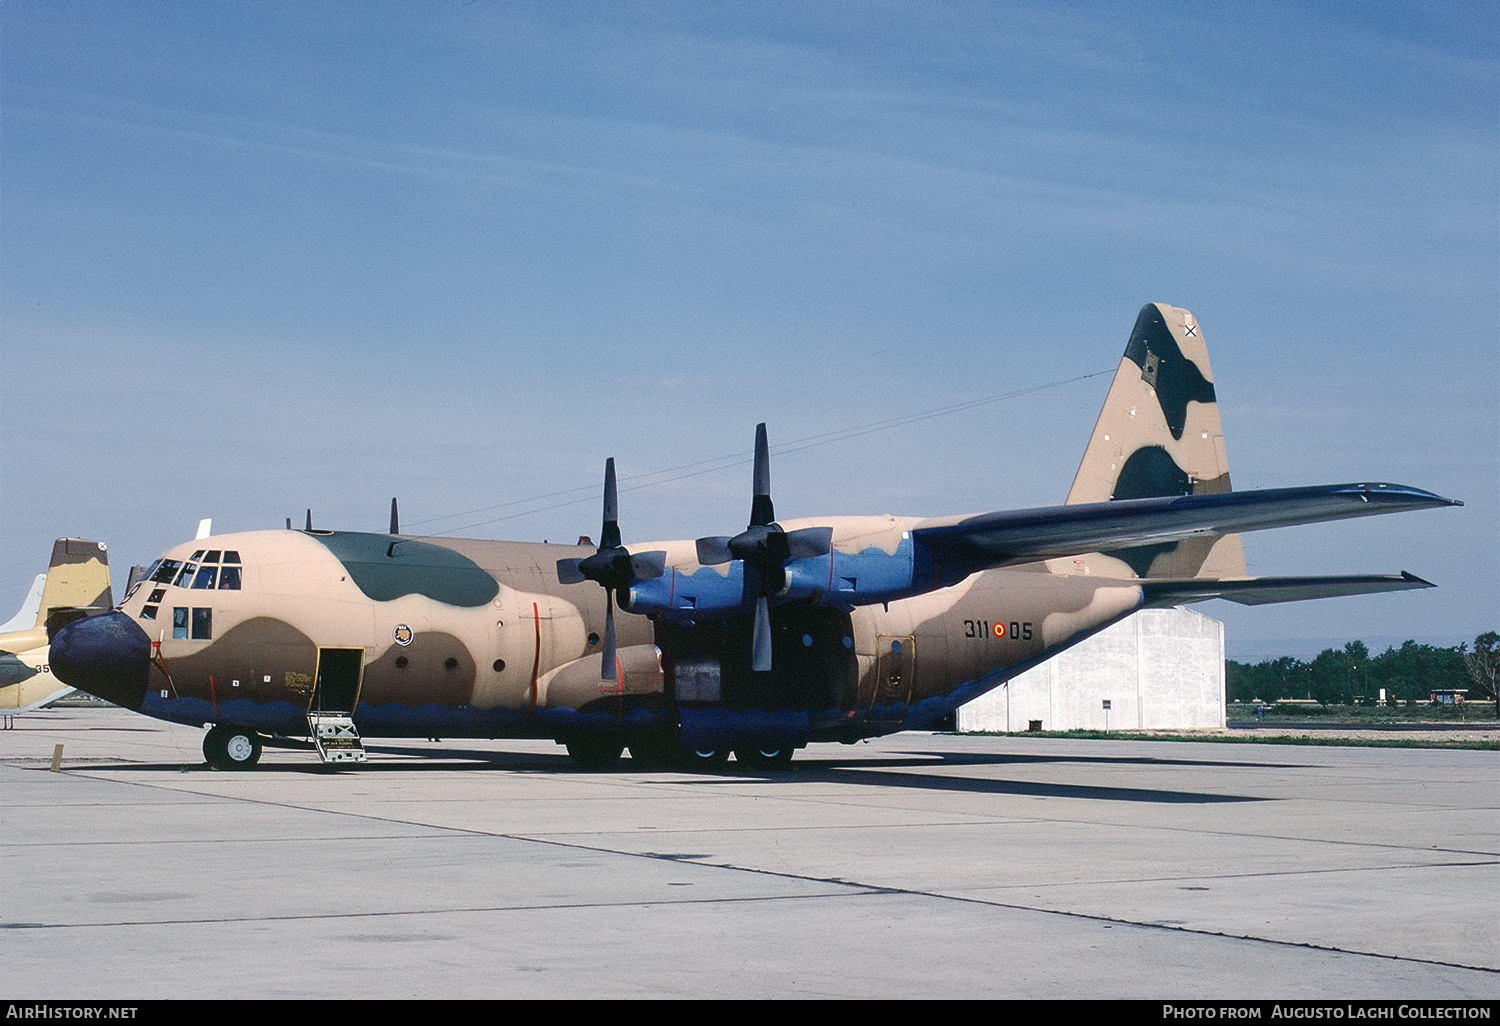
(106, 655)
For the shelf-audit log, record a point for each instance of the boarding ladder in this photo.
(335, 737)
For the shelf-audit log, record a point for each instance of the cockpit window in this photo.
(206, 577)
(197, 555)
(229, 578)
(186, 577)
(166, 569)
(232, 556)
(212, 557)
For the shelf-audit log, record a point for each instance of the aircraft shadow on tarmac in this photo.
(892, 771)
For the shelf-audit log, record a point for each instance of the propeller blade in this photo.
(568, 572)
(395, 521)
(760, 645)
(809, 542)
(647, 566)
(309, 520)
(609, 536)
(762, 512)
(713, 551)
(609, 669)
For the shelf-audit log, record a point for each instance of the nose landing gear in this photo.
(231, 748)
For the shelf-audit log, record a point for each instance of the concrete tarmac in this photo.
(921, 865)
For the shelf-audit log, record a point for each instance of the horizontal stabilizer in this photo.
(1260, 591)
(970, 544)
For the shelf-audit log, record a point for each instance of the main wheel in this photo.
(765, 757)
(705, 759)
(231, 748)
(595, 752)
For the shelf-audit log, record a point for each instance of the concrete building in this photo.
(1159, 669)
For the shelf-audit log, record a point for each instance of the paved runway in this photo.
(921, 865)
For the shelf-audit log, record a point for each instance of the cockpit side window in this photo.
(166, 569)
(229, 578)
(185, 578)
(206, 577)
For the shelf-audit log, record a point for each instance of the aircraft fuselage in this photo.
(460, 638)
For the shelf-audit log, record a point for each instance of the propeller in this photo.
(612, 566)
(765, 548)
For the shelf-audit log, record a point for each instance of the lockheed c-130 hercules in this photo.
(794, 631)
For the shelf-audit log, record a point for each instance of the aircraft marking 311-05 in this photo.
(819, 629)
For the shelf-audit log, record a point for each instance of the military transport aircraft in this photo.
(817, 629)
(76, 584)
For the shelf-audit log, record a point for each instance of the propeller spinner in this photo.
(765, 548)
(612, 566)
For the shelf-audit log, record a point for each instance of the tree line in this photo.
(1344, 676)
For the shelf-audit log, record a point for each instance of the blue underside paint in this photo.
(838, 580)
(701, 728)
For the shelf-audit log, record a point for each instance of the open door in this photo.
(337, 680)
(330, 712)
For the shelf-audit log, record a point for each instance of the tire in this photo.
(231, 748)
(765, 757)
(595, 753)
(706, 760)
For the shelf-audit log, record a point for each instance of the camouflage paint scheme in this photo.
(76, 579)
(899, 623)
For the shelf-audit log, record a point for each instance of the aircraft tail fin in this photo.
(77, 579)
(26, 617)
(1159, 435)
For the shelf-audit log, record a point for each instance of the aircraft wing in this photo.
(1260, 591)
(963, 546)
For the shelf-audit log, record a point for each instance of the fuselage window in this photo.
(157, 594)
(166, 569)
(185, 578)
(203, 624)
(180, 622)
(206, 577)
(229, 578)
(148, 612)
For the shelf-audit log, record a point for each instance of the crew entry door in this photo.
(338, 680)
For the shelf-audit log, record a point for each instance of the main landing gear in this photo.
(764, 757)
(231, 748)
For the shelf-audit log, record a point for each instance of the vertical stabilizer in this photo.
(26, 617)
(77, 578)
(1159, 434)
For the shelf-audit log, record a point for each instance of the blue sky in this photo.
(256, 257)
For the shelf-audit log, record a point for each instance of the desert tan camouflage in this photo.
(876, 623)
(77, 581)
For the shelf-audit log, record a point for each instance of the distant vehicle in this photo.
(816, 629)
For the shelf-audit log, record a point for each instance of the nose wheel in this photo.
(231, 748)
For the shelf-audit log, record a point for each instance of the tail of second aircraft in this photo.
(77, 580)
(1159, 435)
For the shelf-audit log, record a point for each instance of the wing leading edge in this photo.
(957, 548)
